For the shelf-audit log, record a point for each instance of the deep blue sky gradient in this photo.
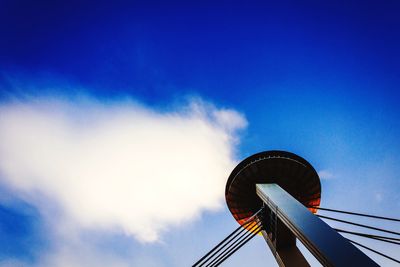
(319, 78)
(156, 50)
(22, 229)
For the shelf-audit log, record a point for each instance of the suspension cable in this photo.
(357, 214)
(221, 244)
(233, 245)
(373, 250)
(375, 237)
(237, 247)
(361, 225)
(236, 234)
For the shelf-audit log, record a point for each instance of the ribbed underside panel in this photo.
(291, 172)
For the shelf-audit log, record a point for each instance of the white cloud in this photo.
(76, 252)
(118, 165)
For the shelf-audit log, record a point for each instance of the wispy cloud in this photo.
(118, 165)
(378, 197)
(325, 174)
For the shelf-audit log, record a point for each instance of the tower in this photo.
(283, 191)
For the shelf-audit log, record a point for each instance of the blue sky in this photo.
(320, 79)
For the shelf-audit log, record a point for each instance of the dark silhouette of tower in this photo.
(289, 189)
(277, 194)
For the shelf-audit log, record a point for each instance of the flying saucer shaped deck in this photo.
(291, 172)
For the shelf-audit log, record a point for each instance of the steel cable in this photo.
(373, 250)
(229, 239)
(237, 247)
(361, 225)
(375, 237)
(233, 245)
(357, 214)
(221, 245)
